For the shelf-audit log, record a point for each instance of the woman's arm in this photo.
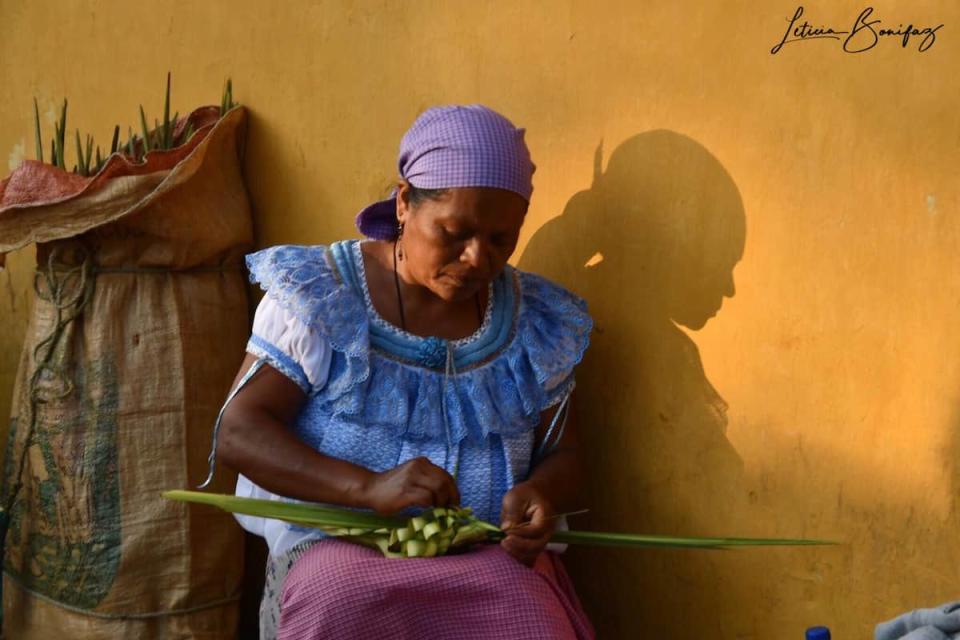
(553, 487)
(558, 474)
(256, 441)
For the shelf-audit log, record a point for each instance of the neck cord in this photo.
(396, 283)
(449, 368)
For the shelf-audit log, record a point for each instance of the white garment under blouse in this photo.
(280, 328)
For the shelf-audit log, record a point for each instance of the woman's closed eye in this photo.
(455, 235)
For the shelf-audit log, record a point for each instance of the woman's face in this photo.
(455, 245)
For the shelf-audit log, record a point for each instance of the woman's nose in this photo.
(473, 252)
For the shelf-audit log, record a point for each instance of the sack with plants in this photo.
(138, 323)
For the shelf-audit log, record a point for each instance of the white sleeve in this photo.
(289, 346)
(295, 350)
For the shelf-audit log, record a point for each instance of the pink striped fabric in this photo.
(341, 591)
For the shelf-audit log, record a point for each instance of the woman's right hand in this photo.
(417, 482)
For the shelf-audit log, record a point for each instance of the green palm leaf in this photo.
(398, 536)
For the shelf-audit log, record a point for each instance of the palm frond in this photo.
(446, 528)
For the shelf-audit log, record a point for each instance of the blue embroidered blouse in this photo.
(470, 405)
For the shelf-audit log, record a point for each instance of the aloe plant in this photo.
(226, 101)
(167, 138)
(79, 153)
(144, 131)
(163, 136)
(59, 139)
(62, 137)
(36, 119)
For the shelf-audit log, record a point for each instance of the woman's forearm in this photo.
(558, 477)
(264, 449)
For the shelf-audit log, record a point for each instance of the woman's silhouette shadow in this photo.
(651, 245)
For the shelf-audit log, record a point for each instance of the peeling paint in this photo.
(931, 204)
(594, 260)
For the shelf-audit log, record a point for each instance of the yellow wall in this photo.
(823, 400)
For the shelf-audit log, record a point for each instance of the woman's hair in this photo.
(418, 195)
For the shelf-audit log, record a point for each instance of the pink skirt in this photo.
(338, 590)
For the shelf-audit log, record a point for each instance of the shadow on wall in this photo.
(651, 245)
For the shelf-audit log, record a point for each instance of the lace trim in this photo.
(279, 361)
(532, 366)
(499, 338)
(305, 281)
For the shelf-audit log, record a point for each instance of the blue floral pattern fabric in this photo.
(471, 406)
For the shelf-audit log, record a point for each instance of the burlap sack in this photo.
(138, 328)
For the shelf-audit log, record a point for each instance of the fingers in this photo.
(526, 517)
(420, 497)
(526, 540)
(438, 491)
(437, 481)
(423, 475)
(525, 550)
(514, 510)
(443, 488)
(534, 529)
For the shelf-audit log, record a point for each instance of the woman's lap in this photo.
(341, 590)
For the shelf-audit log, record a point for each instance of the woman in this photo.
(417, 369)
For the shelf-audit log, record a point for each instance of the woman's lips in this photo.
(463, 283)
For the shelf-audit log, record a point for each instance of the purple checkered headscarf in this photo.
(455, 146)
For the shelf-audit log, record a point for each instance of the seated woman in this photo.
(417, 369)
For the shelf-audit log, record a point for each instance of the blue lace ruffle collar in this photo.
(529, 368)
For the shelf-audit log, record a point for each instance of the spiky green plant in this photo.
(36, 119)
(167, 129)
(226, 100)
(59, 140)
(163, 136)
(144, 131)
(437, 531)
(79, 153)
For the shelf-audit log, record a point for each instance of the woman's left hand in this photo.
(527, 518)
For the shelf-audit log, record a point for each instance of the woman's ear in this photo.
(403, 201)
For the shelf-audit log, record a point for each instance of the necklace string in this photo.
(396, 283)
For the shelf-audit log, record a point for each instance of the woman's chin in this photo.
(455, 292)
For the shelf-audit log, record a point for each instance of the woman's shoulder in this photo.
(302, 268)
(552, 327)
(293, 262)
(542, 300)
(305, 281)
(533, 285)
